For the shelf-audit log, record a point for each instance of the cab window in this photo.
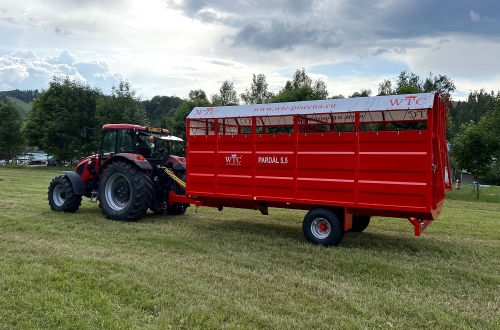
(109, 142)
(124, 142)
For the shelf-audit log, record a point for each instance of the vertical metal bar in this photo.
(430, 156)
(188, 170)
(254, 153)
(216, 156)
(356, 157)
(296, 152)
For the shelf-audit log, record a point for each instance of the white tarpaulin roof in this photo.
(376, 103)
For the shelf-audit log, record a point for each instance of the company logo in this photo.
(206, 112)
(233, 160)
(409, 100)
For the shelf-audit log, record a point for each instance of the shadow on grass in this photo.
(250, 232)
(258, 232)
(247, 228)
(404, 243)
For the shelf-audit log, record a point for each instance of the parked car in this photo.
(37, 162)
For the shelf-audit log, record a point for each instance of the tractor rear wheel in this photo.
(125, 192)
(360, 223)
(323, 226)
(62, 197)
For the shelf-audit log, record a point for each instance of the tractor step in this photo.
(93, 197)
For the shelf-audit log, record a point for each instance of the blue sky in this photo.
(169, 47)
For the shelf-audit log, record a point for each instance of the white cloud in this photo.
(25, 70)
(169, 47)
(475, 17)
(12, 72)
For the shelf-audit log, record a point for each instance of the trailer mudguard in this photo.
(76, 182)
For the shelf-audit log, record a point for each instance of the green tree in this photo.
(11, 140)
(408, 83)
(385, 88)
(258, 92)
(302, 88)
(362, 93)
(197, 94)
(473, 150)
(176, 123)
(477, 105)
(122, 106)
(441, 84)
(159, 106)
(490, 123)
(58, 116)
(226, 96)
(175, 120)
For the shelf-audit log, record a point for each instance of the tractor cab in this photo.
(154, 144)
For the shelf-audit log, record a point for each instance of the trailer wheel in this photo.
(62, 197)
(323, 226)
(125, 192)
(360, 223)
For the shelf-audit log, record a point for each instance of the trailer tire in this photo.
(360, 223)
(125, 192)
(62, 197)
(323, 227)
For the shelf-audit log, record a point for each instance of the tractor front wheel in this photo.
(125, 192)
(323, 226)
(62, 197)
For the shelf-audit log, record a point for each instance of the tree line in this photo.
(66, 107)
(24, 95)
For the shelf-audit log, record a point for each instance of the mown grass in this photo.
(487, 194)
(237, 269)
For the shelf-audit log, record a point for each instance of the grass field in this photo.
(489, 194)
(237, 269)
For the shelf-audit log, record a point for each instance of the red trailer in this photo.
(344, 160)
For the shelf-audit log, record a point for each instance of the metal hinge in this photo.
(434, 167)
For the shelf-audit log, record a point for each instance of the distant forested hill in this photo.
(24, 106)
(24, 95)
(21, 98)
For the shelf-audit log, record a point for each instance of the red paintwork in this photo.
(176, 160)
(378, 173)
(87, 166)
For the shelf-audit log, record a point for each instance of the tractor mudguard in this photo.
(138, 160)
(76, 182)
(178, 163)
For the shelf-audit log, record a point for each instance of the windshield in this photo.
(172, 147)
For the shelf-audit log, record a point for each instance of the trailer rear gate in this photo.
(384, 156)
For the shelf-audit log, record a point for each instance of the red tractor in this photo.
(133, 172)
